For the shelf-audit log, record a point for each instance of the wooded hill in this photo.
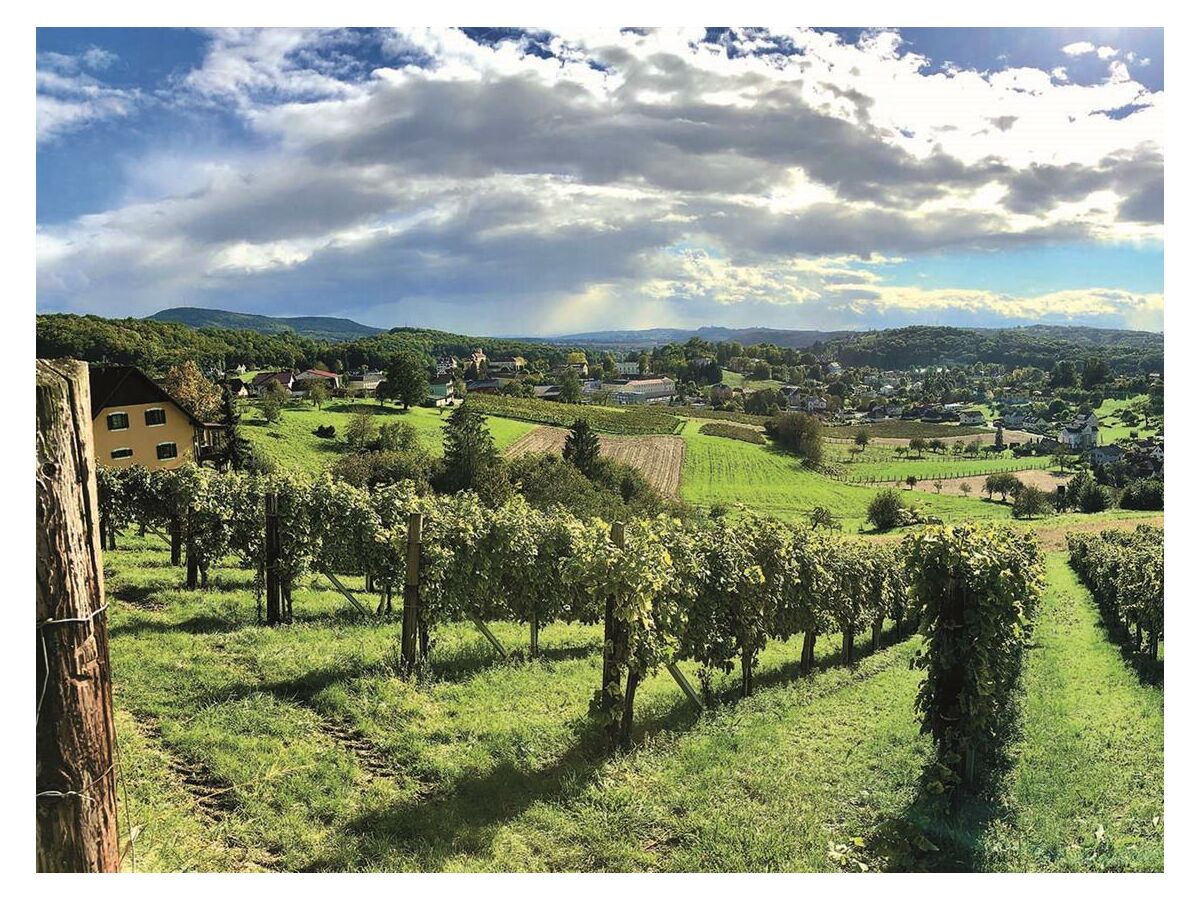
(155, 344)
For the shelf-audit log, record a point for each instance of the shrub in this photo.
(325, 431)
(886, 509)
(1093, 497)
(800, 434)
(1144, 493)
(1030, 502)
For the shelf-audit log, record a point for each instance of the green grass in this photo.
(297, 748)
(720, 471)
(880, 462)
(1112, 428)
(291, 444)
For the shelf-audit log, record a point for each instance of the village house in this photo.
(136, 422)
(440, 391)
(1081, 434)
(808, 403)
(302, 381)
(506, 365)
(363, 382)
(262, 380)
(1107, 455)
(237, 387)
(971, 417)
(484, 386)
(446, 365)
(629, 368)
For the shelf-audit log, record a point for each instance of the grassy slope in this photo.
(1113, 429)
(292, 444)
(312, 756)
(719, 470)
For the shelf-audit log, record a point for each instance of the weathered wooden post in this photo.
(274, 589)
(877, 634)
(847, 646)
(534, 650)
(76, 780)
(412, 594)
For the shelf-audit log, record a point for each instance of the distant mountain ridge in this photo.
(797, 339)
(326, 328)
(800, 339)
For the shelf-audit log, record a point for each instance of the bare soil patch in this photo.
(1042, 479)
(659, 457)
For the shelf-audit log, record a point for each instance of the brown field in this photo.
(659, 457)
(1043, 479)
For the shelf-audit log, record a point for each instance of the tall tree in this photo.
(187, 384)
(468, 448)
(582, 447)
(236, 453)
(570, 390)
(407, 379)
(318, 392)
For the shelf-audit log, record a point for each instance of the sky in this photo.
(518, 181)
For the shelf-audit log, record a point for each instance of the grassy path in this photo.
(1087, 788)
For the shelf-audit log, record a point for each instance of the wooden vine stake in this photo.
(412, 594)
(274, 583)
(76, 779)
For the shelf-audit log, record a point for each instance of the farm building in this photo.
(301, 381)
(136, 422)
(645, 390)
(363, 382)
(506, 365)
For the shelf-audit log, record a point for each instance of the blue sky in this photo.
(504, 181)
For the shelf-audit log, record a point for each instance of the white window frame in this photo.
(174, 444)
(116, 412)
(163, 409)
(115, 450)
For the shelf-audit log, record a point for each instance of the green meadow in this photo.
(291, 443)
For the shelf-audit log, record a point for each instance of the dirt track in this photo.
(659, 457)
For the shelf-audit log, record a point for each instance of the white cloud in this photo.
(1079, 48)
(620, 172)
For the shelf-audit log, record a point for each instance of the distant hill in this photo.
(650, 337)
(321, 328)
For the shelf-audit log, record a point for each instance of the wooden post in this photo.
(76, 780)
(193, 568)
(847, 646)
(615, 645)
(747, 672)
(533, 635)
(807, 651)
(876, 634)
(685, 685)
(176, 541)
(412, 594)
(271, 547)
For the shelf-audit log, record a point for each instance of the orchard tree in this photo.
(318, 392)
(917, 444)
(861, 438)
(274, 397)
(361, 431)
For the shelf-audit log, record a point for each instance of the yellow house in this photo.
(136, 422)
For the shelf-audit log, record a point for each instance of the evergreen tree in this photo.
(582, 448)
(469, 450)
(236, 453)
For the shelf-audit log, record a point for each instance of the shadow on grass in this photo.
(937, 834)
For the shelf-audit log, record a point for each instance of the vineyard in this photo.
(658, 456)
(1124, 571)
(747, 663)
(609, 419)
